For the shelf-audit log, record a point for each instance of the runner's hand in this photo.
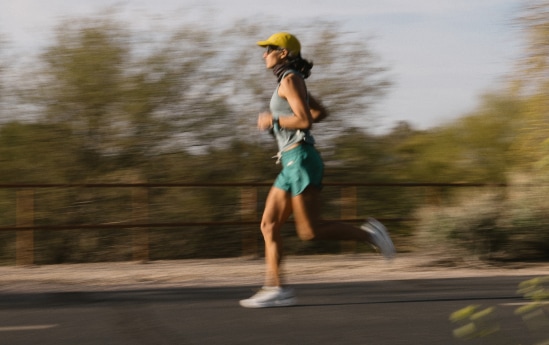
(265, 121)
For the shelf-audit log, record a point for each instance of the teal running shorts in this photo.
(301, 167)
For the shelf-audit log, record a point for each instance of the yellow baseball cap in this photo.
(283, 40)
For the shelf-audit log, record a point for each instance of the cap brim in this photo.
(264, 43)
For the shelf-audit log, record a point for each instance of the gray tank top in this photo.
(287, 137)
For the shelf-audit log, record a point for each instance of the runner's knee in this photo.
(268, 229)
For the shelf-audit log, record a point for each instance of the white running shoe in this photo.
(270, 296)
(380, 237)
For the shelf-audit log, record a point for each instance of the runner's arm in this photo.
(318, 111)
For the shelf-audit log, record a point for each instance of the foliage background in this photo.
(109, 103)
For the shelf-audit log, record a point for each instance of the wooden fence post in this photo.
(348, 211)
(433, 196)
(248, 212)
(140, 215)
(24, 243)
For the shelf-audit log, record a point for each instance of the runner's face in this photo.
(273, 55)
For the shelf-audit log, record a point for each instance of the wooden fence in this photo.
(140, 223)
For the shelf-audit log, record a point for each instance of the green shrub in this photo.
(510, 223)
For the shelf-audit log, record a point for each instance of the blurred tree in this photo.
(129, 96)
(33, 152)
(1, 69)
(358, 156)
(427, 156)
(531, 81)
(533, 68)
(473, 148)
(2, 89)
(123, 102)
(486, 137)
(483, 139)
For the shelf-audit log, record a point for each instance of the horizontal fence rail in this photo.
(242, 184)
(139, 221)
(206, 185)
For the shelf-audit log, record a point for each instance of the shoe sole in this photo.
(380, 228)
(287, 302)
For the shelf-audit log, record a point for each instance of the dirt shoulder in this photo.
(248, 272)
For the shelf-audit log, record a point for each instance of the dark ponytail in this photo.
(296, 63)
(301, 65)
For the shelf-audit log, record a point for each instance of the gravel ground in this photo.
(248, 272)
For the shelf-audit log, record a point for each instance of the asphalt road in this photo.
(379, 313)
